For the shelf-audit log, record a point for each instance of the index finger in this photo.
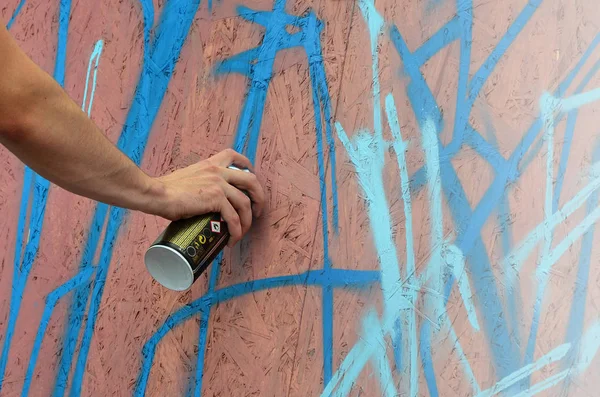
(230, 157)
(247, 181)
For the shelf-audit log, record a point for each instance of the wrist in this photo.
(154, 197)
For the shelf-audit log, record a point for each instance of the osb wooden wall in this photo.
(432, 199)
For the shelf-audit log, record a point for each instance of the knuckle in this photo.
(253, 178)
(247, 203)
(215, 191)
(212, 168)
(229, 152)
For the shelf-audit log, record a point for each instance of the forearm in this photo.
(45, 129)
(59, 142)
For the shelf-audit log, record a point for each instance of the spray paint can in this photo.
(183, 251)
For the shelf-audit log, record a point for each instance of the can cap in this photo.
(169, 267)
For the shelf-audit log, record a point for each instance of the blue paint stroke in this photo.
(337, 278)
(15, 14)
(513, 299)
(568, 138)
(77, 312)
(463, 107)
(438, 41)
(257, 65)
(212, 283)
(51, 301)
(426, 360)
(38, 207)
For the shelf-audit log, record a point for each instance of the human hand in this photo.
(209, 186)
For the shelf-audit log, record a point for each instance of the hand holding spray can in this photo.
(185, 248)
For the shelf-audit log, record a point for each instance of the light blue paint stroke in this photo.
(548, 105)
(564, 85)
(95, 57)
(549, 260)
(589, 347)
(543, 385)
(15, 14)
(397, 345)
(574, 235)
(374, 334)
(579, 100)
(434, 305)
(366, 154)
(461, 355)
(455, 260)
(519, 254)
(337, 278)
(38, 207)
(52, 299)
(578, 303)
(553, 356)
(375, 24)
(400, 148)
(590, 343)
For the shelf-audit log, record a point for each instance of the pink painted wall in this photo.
(288, 313)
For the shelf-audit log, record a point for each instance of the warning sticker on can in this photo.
(215, 226)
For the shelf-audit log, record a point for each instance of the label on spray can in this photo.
(185, 249)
